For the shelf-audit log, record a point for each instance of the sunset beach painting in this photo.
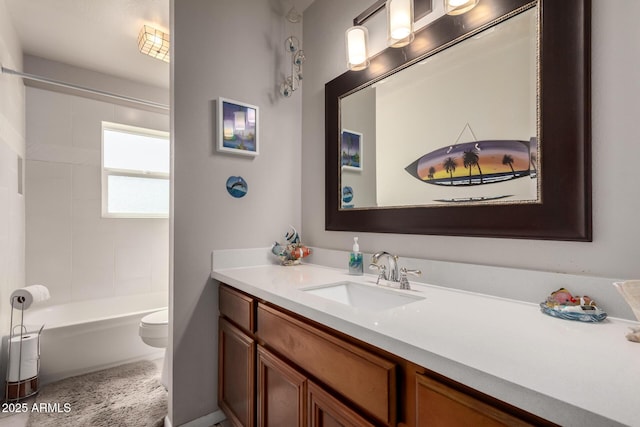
(475, 163)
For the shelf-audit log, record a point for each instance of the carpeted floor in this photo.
(127, 395)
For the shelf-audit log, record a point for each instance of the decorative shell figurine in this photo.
(566, 306)
(291, 252)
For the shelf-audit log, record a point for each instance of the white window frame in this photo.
(106, 172)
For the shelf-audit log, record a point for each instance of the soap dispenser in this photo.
(355, 259)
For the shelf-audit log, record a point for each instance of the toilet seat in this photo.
(156, 318)
(154, 329)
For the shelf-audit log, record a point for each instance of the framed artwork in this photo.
(351, 150)
(237, 130)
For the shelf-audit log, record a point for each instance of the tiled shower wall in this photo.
(12, 148)
(70, 248)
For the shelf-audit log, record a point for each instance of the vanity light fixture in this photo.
(154, 43)
(458, 7)
(357, 40)
(399, 31)
(400, 22)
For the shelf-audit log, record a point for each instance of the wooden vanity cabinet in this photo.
(275, 369)
(278, 369)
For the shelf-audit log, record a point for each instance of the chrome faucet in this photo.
(391, 273)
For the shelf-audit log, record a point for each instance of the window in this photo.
(135, 172)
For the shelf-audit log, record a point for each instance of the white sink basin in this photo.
(362, 296)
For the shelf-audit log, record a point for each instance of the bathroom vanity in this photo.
(289, 355)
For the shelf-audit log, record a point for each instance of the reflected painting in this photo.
(461, 164)
(351, 150)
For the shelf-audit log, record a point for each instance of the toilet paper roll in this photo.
(23, 364)
(23, 298)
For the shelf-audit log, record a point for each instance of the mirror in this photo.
(480, 127)
(465, 120)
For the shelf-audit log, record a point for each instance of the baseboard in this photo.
(206, 421)
(167, 421)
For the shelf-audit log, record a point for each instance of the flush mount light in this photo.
(154, 42)
(458, 7)
(400, 22)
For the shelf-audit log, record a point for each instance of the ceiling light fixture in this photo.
(154, 43)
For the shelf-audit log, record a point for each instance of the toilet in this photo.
(154, 331)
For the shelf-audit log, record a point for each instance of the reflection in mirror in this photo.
(459, 127)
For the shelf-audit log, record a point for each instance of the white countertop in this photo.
(569, 372)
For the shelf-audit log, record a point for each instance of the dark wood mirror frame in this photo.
(565, 132)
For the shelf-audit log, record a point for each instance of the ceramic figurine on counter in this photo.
(292, 237)
(291, 252)
(566, 306)
(634, 335)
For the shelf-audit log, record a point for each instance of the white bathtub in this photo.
(86, 336)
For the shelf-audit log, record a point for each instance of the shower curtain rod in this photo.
(83, 89)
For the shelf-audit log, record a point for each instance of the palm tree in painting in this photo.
(507, 160)
(450, 166)
(470, 159)
(349, 145)
(432, 172)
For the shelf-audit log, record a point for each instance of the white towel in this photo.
(630, 290)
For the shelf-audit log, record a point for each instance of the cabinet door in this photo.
(365, 378)
(438, 405)
(327, 411)
(236, 374)
(281, 392)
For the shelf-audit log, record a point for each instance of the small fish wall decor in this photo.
(347, 196)
(237, 186)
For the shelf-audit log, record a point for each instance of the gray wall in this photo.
(12, 147)
(359, 114)
(233, 49)
(616, 103)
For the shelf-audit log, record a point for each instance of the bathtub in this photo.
(87, 336)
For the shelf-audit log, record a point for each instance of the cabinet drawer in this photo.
(367, 380)
(237, 307)
(440, 405)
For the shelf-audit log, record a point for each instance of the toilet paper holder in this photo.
(21, 388)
